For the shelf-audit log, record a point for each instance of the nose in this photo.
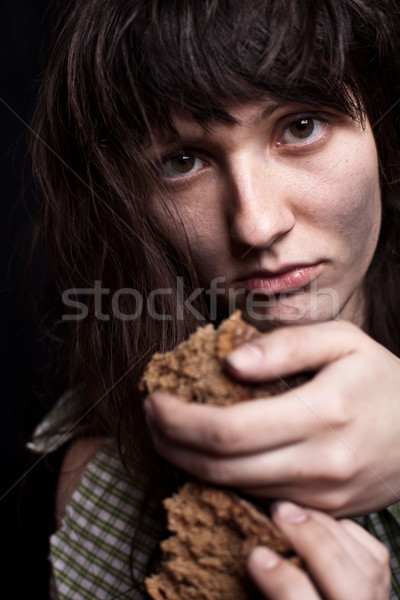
(260, 208)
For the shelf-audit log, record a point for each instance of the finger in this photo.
(348, 559)
(321, 495)
(281, 420)
(290, 350)
(378, 551)
(277, 578)
(265, 474)
(238, 471)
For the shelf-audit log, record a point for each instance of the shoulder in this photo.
(74, 464)
(109, 524)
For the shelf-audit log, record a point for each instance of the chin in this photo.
(301, 313)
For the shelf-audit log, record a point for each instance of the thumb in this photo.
(295, 349)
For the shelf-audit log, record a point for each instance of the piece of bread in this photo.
(214, 529)
(194, 370)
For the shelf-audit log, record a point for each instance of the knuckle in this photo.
(224, 436)
(383, 556)
(335, 471)
(352, 333)
(341, 464)
(343, 327)
(378, 575)
(329, 501)
(337, 409)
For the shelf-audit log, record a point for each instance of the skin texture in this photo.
(321, 444)
(254, 200)
(257, 197)
(358, 563)
(261, 189)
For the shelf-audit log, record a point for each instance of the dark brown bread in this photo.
(194, 370)
(206, 558)
(213, 529)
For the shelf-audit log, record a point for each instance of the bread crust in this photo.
(194, 371)
(213, 529)
(205, 559)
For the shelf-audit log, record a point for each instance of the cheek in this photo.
(351, 206)
(205, 224)
(361, 208)
(184, 218)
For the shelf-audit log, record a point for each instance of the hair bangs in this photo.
(202, 60)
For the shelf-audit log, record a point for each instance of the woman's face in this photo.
(282, 210)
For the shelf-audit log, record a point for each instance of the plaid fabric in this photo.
(91, 553)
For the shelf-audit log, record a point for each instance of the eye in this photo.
(304, 129)
(181, 164)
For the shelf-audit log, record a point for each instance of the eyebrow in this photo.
(167, 139)
(272, 106)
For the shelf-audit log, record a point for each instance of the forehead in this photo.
(244, 113)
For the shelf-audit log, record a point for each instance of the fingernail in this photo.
(244, 358)
(263, 558)
(290, 512)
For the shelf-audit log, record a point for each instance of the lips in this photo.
(287, 279)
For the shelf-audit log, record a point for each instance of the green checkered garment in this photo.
(91, 554)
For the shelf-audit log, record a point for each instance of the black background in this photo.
(26, 489)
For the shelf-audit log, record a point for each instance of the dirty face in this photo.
(282, 210)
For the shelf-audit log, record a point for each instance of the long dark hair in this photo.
(115, 72)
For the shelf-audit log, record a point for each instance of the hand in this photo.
(332, 443)
(343, 561)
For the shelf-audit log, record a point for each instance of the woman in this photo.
(200, 157)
